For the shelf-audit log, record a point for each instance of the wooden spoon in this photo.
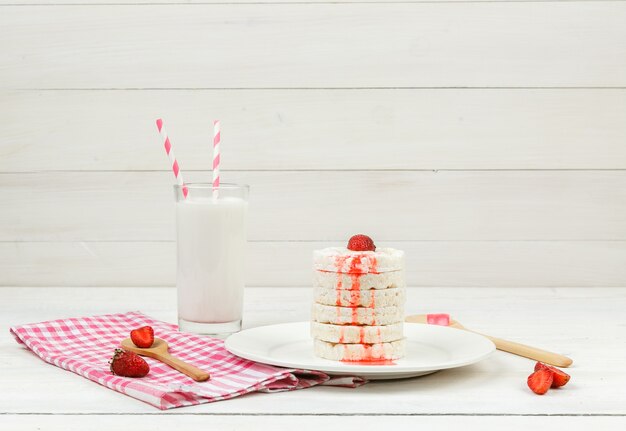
(159, 351)
(508, 346)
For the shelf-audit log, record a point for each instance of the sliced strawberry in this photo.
(540, 381)
(142, 337)
(559, 377)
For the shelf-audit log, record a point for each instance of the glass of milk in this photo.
(211, 231)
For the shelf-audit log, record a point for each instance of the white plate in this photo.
(429, 348)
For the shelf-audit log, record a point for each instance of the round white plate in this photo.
(429, 348)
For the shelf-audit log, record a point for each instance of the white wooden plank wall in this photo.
(487, 139)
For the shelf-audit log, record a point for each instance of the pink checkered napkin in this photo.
(85, 345)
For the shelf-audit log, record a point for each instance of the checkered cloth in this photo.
(85, 345)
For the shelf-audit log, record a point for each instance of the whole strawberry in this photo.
(142, 337)
(361, 243)
(128, 364)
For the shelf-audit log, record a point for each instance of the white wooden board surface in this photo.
(429, 263)
(235, 2)
(315, 45)
(586, 324)
(371, 100)
(307, 423)
(316, 129)
(393, 205)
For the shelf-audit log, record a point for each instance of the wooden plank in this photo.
(232, 2)
(429, 263)
(324, 129)
(508, 44)
(310, 423)
(585, 324)
(389, 205)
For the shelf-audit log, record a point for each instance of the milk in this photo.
(211, 242)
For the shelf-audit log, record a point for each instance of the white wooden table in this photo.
(587, 324)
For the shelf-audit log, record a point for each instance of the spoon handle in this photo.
(195, 373)
(529, 352)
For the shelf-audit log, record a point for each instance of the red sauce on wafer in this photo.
(372, 362)
(355, 271)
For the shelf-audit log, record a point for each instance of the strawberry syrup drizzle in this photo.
(355, 288)
(355, 316)
(368, 357)
(355, 271)
(339, 262)
(370, 362)
(355, 298)
(338, 288)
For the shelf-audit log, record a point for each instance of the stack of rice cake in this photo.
(358, 305)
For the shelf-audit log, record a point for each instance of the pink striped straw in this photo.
(170, 152)
(216, 158)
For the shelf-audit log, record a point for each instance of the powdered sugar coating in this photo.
(357, 315)
(360, 298)
(340, 259)
(351, 334)
(341, 281)
(360, 352)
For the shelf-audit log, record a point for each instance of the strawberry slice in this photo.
(142, 337)
(559, 377)
(540, 381)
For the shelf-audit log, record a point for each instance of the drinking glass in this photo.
(211, 230)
